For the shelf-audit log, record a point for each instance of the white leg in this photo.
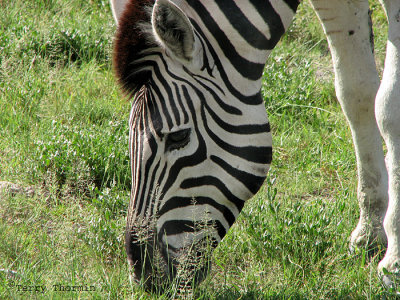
(388, 116)
(346, 25)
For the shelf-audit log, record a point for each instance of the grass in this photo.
(64, 131)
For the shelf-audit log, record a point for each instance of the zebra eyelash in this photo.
(177, 140)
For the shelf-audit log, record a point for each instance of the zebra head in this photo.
(200, 142)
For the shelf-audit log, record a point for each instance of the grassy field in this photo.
(63, 131)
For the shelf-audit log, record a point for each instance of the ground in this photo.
(64, 135)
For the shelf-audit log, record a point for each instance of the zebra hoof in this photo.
(387, 281)
(389, 272)
(391, 281)
(371, 238)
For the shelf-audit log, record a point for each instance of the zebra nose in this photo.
(149, 265)
(156, 267)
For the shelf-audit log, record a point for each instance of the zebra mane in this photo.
(131, 41)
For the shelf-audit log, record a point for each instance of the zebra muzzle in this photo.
(157, 267)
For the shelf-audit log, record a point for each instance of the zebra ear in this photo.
(173, 30)
(117, 8)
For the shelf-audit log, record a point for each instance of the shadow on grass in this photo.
(229, 294)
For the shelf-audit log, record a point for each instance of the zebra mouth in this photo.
(150, 268)
(158, 268)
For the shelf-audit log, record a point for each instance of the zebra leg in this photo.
(388, 117)
(347, 27)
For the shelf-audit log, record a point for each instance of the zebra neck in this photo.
(239, 36)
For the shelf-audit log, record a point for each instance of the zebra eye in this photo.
(177, 139)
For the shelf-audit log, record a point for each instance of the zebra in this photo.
(200, 140)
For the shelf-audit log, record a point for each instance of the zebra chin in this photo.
(158, 267)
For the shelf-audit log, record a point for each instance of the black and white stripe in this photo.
(200, 142)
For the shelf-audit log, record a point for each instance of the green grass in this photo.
(63, 130)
